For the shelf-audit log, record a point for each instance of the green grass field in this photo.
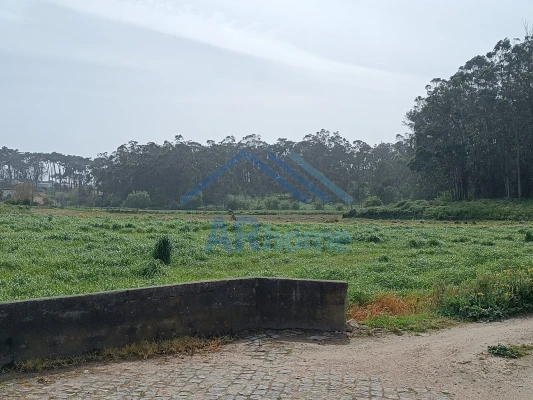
(45, 255)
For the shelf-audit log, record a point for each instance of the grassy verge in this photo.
(489, 297)
(143, 350)
(416, 323)
(398, 314)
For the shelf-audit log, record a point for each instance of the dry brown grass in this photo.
(390, 304)
(143, 350)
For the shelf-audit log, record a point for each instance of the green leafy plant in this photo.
(501, 350)
(510, 351)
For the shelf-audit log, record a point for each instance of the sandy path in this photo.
(455, 359)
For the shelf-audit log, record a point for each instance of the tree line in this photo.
(470, 136)
(169, 170)
(473, 132)
(58, 169)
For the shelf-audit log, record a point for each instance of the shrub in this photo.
(163, 250)
(490, 297)
(137, 200)
(529, 236)
(372, 201)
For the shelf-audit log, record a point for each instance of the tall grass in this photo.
(490, 296)
(163, 250)
(43, 256)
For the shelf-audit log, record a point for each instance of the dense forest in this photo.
(473, 133)
(470, 137)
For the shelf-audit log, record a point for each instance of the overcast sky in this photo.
(84, 76)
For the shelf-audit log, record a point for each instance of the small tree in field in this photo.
(137, 200)
(372, 201)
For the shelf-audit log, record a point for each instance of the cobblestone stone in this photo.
(268, 368)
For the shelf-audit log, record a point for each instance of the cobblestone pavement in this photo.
(265, 366)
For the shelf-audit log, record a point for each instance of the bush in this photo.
(163, 250)
(490, 297)
(372, 201)
(529, 236)
(137, 200)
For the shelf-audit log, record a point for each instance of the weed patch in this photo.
(417, 323)
(510, 351)
(489, 297)
(390, 304)
(142, 350)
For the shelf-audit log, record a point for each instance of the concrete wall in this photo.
(70, 325)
